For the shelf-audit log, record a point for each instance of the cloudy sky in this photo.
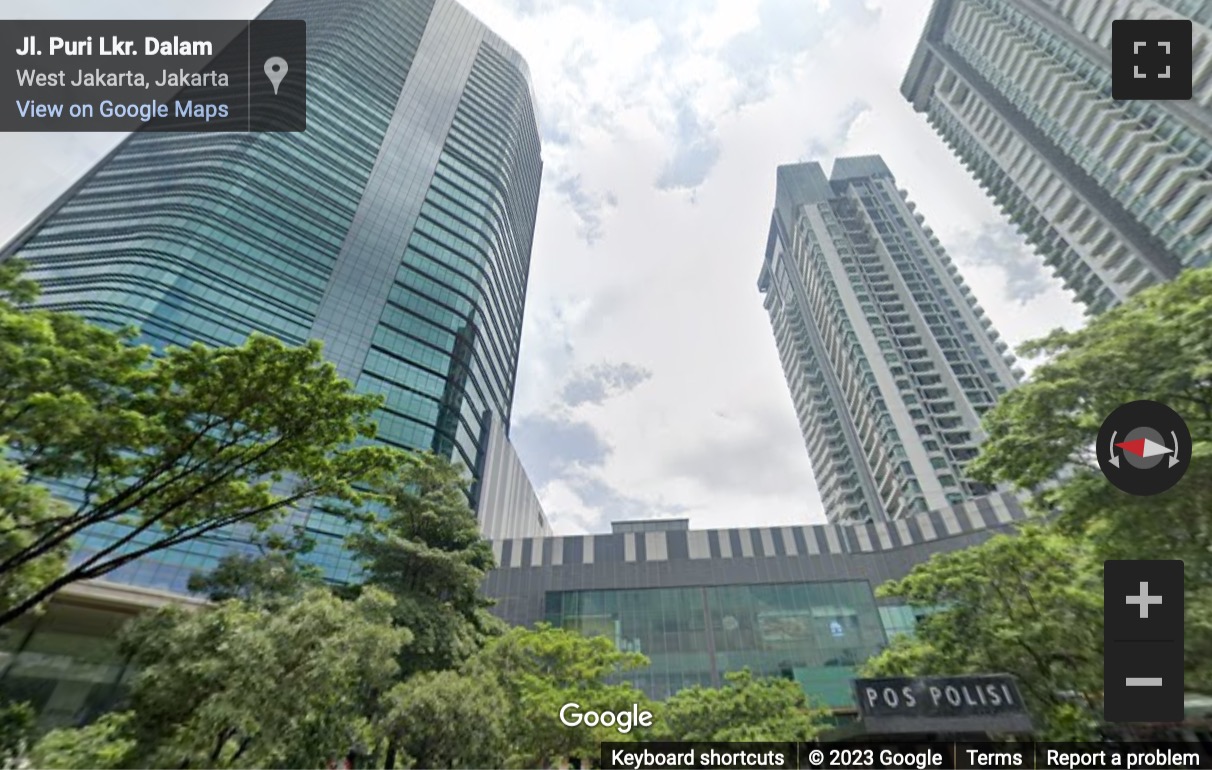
(649, 384)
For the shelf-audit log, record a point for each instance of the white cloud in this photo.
(707, 96)
(731, 90)
(724, 21)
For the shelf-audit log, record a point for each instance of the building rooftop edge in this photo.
(121, 596)
(1012, 501)
(914, 86)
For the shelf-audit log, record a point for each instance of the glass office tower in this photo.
(1115, 195)
(889, 359)
(397, 229)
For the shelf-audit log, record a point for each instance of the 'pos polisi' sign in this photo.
(990, 700)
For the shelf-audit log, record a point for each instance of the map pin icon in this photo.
(275, 70)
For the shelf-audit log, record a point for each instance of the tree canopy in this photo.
(102, 745)
(173, 446)
(745, 709)
(1029, 605)
(449, 719)
(17, 722)
(424, 547)
(277, 654)
(24, 509)
(543, 668)
(245, 686)
(502, 707)
(269, 579)
(1156, 346)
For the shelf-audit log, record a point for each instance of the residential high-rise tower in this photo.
(1116, 195)
(889, 359)
(397, 229)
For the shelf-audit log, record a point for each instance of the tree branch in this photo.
(181, 535)
(49, 541)
(171, 460)
(115, 506)
(79, 573)
(244, 744)
(221, 740)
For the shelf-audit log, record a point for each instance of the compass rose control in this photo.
(1144, 447)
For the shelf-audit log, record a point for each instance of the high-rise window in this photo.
(408, 257)
(822, 329)
(1116, 196)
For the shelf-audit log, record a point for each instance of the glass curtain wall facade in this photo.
(397, 230)
(1115, 195)
(816, 634)
(890, 360)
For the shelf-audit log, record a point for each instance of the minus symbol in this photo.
(1142, 641)
(1144, 681)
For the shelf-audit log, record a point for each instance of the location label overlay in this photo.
(153, 75)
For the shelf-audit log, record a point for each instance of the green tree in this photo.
(271, 578)
(103, 745)
(447, 719)
(426, 550)
(175, 446)
(1156, 346)
(746, 709)
(1029, 605)
(17, 722)
(25, 507)
(544, 668)
(240, 685)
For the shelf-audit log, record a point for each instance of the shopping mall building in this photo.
(795, 601)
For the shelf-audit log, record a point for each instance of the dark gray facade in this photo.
(530, 568)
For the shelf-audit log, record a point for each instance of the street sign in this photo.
(973, 703)
(939, 696)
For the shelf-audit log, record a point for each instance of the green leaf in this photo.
(173, 447)
(1157, 346)
(426, 550)
(745, 709)
(244, 685)
(1029, 605)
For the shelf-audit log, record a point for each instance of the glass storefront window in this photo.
(65, 663)
(813, 633)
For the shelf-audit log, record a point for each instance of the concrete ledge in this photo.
(117, 597)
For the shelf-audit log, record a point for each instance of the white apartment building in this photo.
(889, 359)
(1115, 195)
